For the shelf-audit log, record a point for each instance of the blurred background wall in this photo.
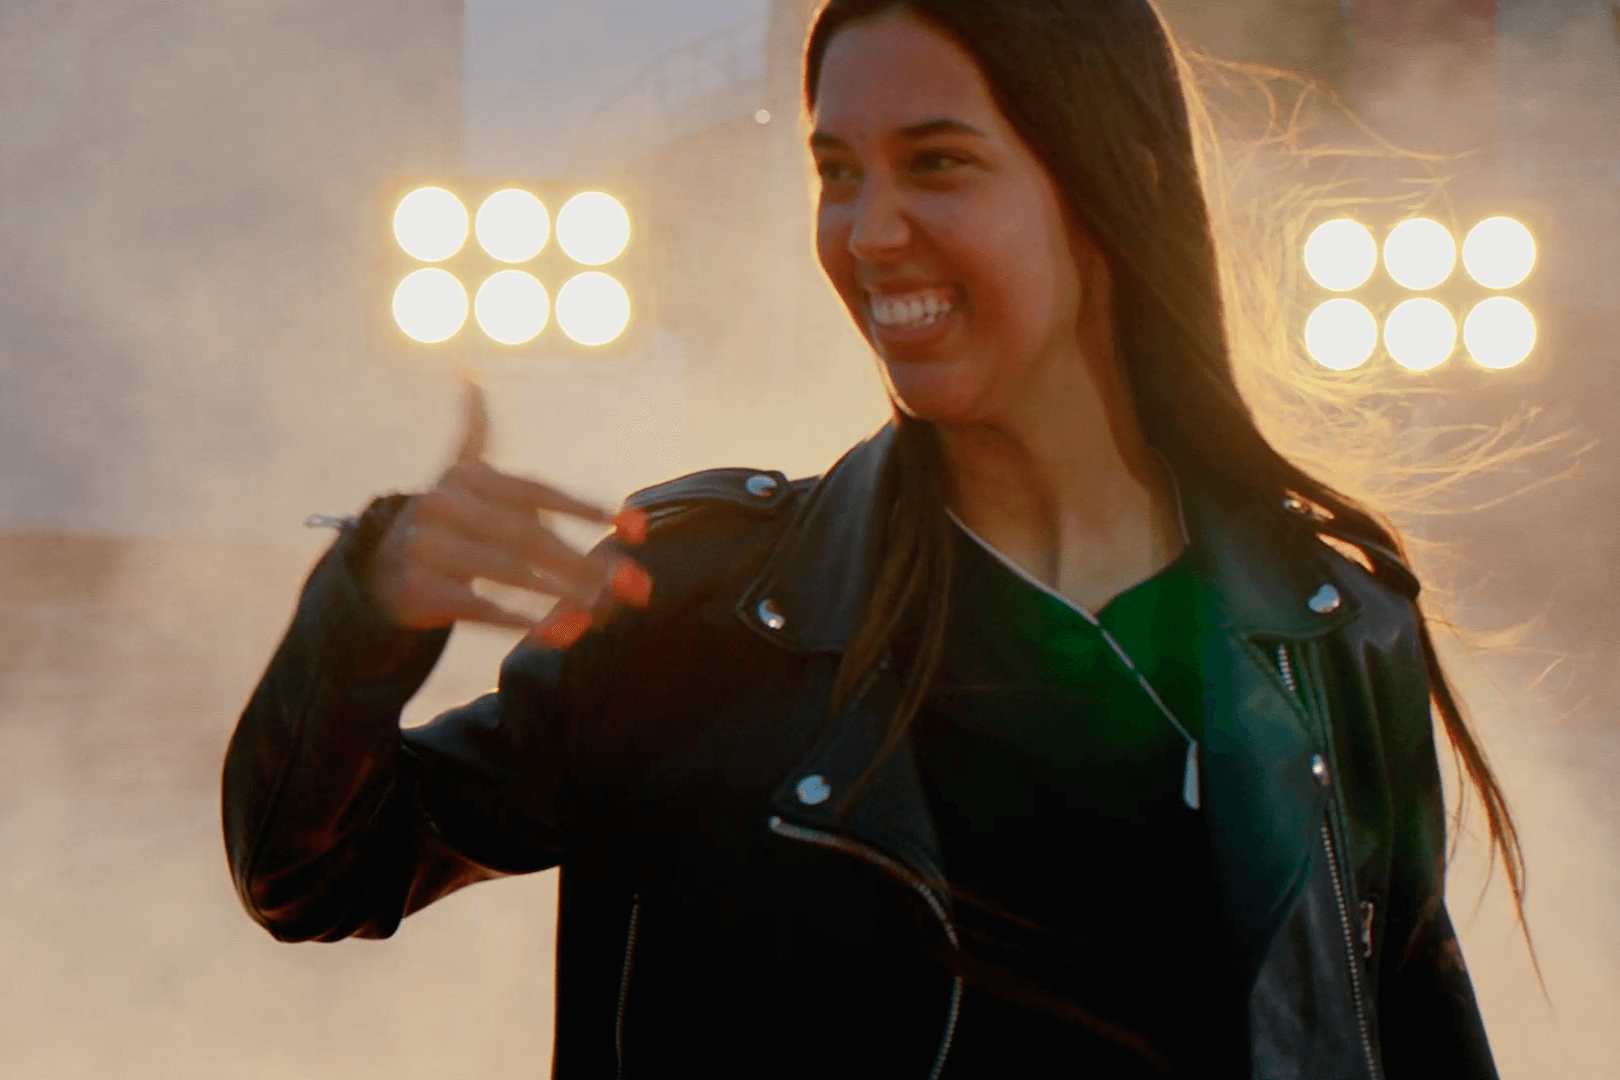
(189, 211)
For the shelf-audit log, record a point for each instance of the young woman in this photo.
(1042, 735)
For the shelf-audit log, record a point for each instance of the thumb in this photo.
(475, 425)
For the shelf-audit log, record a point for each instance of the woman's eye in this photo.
(835, 172)
(936, 161)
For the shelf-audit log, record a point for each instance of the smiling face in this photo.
(943, 233)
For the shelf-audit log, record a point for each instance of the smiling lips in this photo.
(911, 311)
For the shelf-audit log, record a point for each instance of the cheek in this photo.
(832, 250)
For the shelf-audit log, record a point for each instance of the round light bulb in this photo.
(430, 305)
(1419, 253)
(593, 308)
(1341, 254)
(593, 228)
(512, 226)
(1499, 253)
(430, 224)
(1340, 334)
(1420, 334)
(1499, 333)
(512, 307)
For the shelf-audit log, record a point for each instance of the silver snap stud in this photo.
(760, 485)
(1324, 601)
(813, 790)
(1319, 769)
(772, 618)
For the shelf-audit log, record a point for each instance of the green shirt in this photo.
(1080, 875)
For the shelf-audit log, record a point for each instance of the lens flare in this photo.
(593, 228)
(512, 307)
(1420, 334)
(1341, 334)
(430, 305)
(1499, 333)
(1341, 254)
(593, 308)
(512, 226)
(1499, 253)
(430, 224)
(1419, 253)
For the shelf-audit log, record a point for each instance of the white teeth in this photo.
(910, 312)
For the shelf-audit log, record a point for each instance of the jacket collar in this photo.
(812, 593)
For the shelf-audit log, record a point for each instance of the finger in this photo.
(490, 483)
(561, 571)
(436, 601)
(561, 628)
(475, 422)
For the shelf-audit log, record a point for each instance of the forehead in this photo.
(895, 70)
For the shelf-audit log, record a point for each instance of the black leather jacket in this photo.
(716, 912)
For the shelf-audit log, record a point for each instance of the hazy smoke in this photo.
(186, 199)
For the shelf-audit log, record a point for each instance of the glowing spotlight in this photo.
(1341, 254)
(512, 226)
(1419, 253)
(1341, 334)
(593, 308)
(1499, 253)
(1499, 332)
(430, 224)
(593, 228)
(1420, 334)
(430, 305)
(512, 307)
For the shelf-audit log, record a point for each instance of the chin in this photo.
(933, 392)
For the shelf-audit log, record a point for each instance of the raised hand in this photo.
(478, 522)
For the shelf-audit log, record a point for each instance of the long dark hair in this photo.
(1095, 89)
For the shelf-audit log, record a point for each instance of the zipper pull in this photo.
(1367, 912)
(1190, 793)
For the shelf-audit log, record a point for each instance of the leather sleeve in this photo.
(1429, 1020)
(338, 823)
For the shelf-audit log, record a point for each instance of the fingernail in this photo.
(631, 526)
(562, 628)
(631, 583)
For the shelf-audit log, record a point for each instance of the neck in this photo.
(1068, 489)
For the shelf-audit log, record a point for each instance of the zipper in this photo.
(1285, 665)
(1350, 952)
(624, 981)
(896, 868)
(1352, 955)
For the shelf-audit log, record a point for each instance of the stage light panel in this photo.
(1499, 333)
(1420, 254)
(1341, 334)
(430, 224)
(1420, 334)
(1499, 253)
(1341, 254)
(512, 307)
(593, 308)
(430, 305)
(512, 225)
(593, 228)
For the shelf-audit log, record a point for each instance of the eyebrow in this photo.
(822, 140)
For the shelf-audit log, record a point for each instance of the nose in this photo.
(881, 226)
